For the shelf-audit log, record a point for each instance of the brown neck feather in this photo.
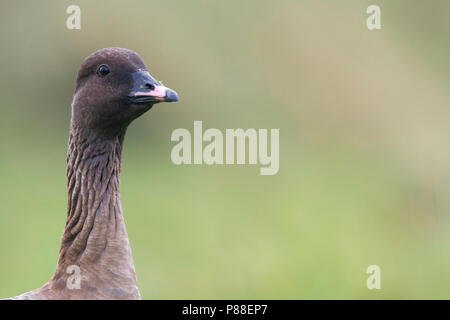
(95, 238)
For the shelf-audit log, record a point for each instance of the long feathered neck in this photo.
(95, 238)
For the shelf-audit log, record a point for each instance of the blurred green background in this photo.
(364, 145)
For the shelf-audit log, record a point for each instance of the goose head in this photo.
(113, 88)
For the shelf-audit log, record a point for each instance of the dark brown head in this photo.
(114, 88)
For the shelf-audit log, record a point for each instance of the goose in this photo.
(113, 88)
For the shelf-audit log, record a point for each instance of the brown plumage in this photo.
(113, 88)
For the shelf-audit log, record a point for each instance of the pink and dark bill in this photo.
(147, 90)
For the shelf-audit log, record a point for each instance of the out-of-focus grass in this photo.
(364, 157)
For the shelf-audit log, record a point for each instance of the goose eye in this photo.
(103, 70)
